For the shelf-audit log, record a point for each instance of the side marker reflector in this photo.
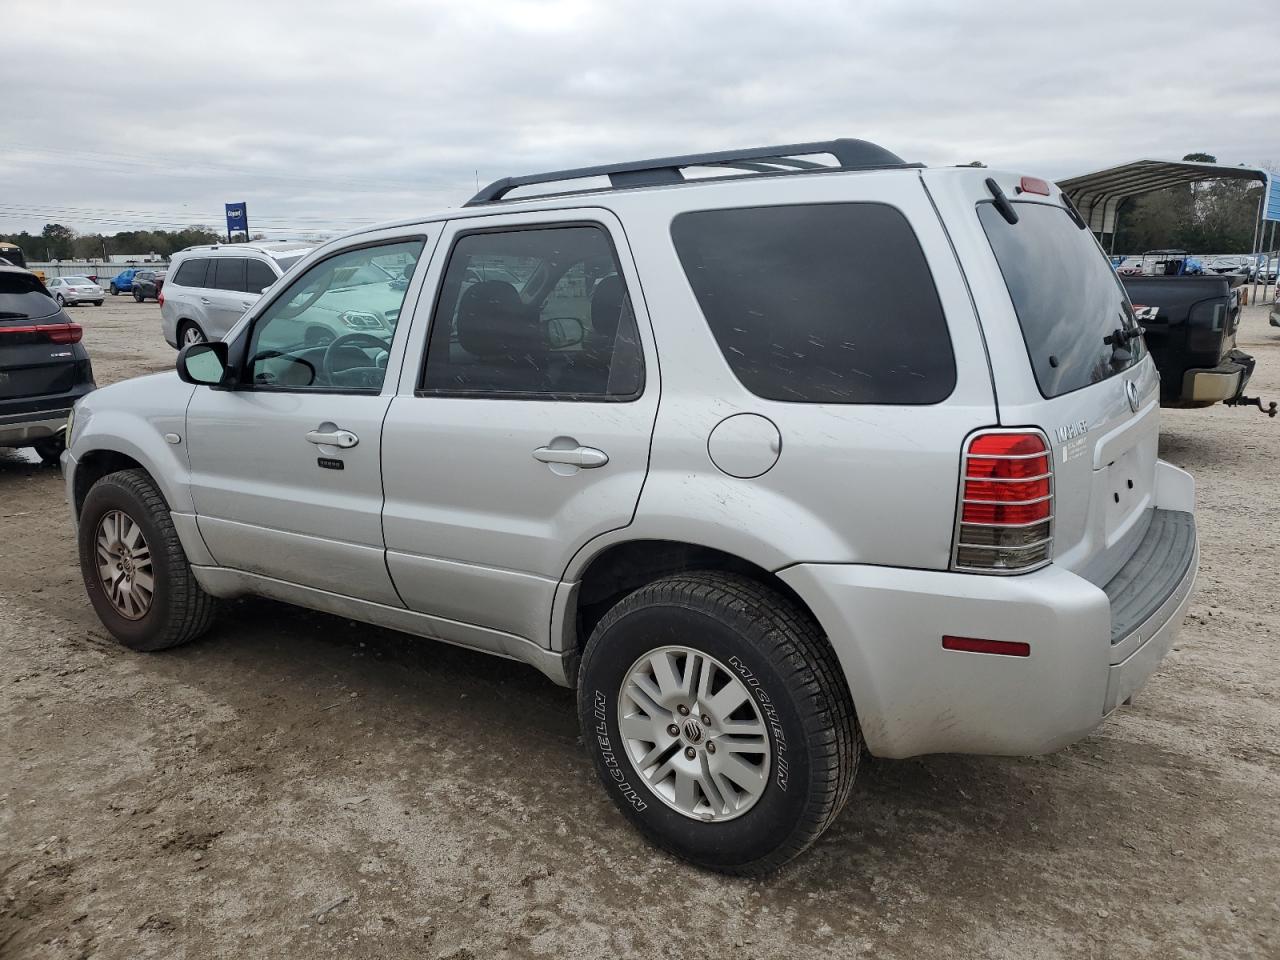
(1008, 648)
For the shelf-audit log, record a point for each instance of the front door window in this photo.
(331, 330)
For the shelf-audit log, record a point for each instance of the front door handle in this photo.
(333, 438)
(584, 457)
(204, 300)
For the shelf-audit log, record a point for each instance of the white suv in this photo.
(770, 464)
(209, 288)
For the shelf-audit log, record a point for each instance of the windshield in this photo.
(23, 297)
(1068, 299)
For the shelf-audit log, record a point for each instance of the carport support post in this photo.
(1257, 242)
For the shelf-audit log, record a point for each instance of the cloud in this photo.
(323, 114)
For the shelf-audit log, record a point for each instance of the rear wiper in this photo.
(1118, 339)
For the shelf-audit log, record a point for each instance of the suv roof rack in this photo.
(850, 155)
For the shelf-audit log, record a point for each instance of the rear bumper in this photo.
(1226, 381)
(26, 429)
(914, 697)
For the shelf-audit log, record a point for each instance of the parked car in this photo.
(209, 288)
(69, 291)
(148, 284)
(895, 484)
(122, 282)
(44, 368)
(1267, 270)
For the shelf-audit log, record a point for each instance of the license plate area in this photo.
(1126, 488)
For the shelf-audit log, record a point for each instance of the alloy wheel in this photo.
(695, 732)
(124, 565)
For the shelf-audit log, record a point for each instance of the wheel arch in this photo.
(621, 567)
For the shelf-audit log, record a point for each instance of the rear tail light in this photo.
(160, 297)
(1004, 523)
(54, 332)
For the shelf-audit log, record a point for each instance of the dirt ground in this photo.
(297, 785)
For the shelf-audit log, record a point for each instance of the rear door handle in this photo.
(333, 438)
(204, 299)
(584, 457)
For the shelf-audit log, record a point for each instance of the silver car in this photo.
(773, 467)
(71, 291)
(209, 288)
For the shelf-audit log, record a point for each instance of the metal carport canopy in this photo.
(1098, 195)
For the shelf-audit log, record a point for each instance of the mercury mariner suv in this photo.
(778, 456)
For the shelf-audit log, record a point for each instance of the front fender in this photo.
(133, 418)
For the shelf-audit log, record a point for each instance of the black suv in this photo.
(147, 284)
(44, 368)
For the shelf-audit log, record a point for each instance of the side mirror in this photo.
(204, 364)
(565, 332)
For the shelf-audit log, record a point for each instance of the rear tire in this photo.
(97, 303)
(189, 332)
(115, 553)
(776, 664)
(49, 450)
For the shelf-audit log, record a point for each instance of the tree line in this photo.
(59, 242)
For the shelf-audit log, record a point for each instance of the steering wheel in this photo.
(332, 351)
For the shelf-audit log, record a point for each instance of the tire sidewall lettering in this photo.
(781, 767)
(617, 773)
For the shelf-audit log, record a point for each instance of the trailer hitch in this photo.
(1269, 409)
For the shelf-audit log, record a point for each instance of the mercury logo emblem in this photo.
(693, 731)
(1131, 391)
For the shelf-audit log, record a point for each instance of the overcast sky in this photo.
(324, 115)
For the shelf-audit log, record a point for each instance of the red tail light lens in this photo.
(1006, 504)
(160, 298)
(63, 332)
(55, 332)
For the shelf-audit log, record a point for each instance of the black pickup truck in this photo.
(1191, 324)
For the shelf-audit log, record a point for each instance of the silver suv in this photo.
(812, 453)
(209, 288)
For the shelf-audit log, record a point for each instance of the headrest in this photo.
(607, 301)
(492, 320)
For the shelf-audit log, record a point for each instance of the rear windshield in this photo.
(1067, 296)
(821, 303)
(77, 281)
(22, 296)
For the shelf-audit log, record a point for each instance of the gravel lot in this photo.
(297, 785)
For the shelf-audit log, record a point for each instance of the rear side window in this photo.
(260, 275)
(229, 274)
(536, 313)
(1067, 296)
(22, 296)
(191, 273)
(820, 303)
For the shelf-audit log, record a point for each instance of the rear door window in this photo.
(229, 274)
(192, 273)
(260, 275)
(820, 303)
(1067, 297)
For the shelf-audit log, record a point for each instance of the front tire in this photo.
(59, 301)
(138, 297)
(770, 756)
(115, 291)
(97, 303)
(135, 570)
